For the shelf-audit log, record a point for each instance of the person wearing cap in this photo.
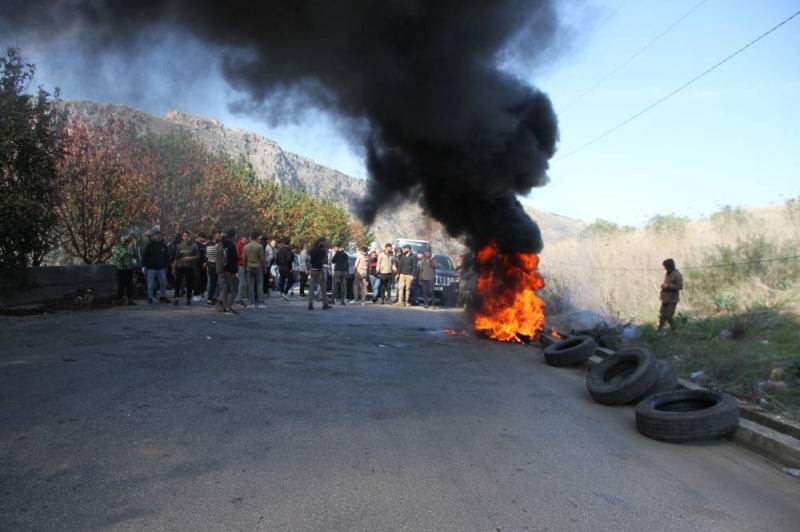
(670, 294)
(155, 258)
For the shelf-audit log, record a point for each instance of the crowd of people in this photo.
(226, 271)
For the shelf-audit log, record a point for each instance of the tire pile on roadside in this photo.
(635, 376)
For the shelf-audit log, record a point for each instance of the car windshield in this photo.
(416, 245)
(444, 262)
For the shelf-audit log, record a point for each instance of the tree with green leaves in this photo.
(30, 148)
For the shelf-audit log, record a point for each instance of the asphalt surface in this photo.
(359, 418)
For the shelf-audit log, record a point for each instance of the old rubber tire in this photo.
(637, 370)
(686, 415)
(570, 351)
(608, 342)
(667, 379)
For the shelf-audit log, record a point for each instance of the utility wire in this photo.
(589, 38)
(683, 268)
(634, 56)
(643, 111)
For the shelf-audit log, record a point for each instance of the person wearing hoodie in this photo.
(670, 294)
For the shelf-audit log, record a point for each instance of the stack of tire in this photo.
(636, 376)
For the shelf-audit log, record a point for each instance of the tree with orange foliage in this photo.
(102, 188)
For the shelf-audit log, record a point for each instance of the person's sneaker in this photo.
(163, 299)
(231, 311)
(188, 302)
(326, 307)
(175, 302)
(150, 300)
(239, 303)
(197, 298)
(311, 307)
(342, 303)
(362, 302)
(210, 302)
(261, 305)
(250, 306)
(284, 296)
(302, 295)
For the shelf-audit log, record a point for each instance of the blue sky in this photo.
(730, 138)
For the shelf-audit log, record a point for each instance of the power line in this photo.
(643, 111)
(729, 265)
(634, 56)
(589, 38)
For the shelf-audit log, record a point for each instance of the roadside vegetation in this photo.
(69, 189)
(739, 315)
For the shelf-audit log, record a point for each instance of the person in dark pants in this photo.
(284, 259)
(386, 269)
(341, 265)
(186, 257)
(303, 267)
(125, 259)
(427, 275)
(318, 258)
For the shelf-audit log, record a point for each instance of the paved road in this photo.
(361, 418)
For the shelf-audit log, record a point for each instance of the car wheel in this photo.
(570, 351)
(686, 415)
(623, 376)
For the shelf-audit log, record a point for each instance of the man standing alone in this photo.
(670, 294)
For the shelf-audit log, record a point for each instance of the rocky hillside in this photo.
(271, 162)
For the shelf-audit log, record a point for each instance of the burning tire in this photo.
(686, 415)
(569, 352)
(623, 377)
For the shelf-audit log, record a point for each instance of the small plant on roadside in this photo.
(726, 303)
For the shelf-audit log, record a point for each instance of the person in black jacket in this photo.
(318, 257)
(341, 265)
(284, 258)
(227, 270)
(155, 260)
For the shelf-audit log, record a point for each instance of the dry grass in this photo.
(619, 274)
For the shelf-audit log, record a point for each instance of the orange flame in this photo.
(508, 308)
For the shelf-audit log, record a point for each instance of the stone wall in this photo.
(53, 282)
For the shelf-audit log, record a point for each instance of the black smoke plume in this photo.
(417, 81)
